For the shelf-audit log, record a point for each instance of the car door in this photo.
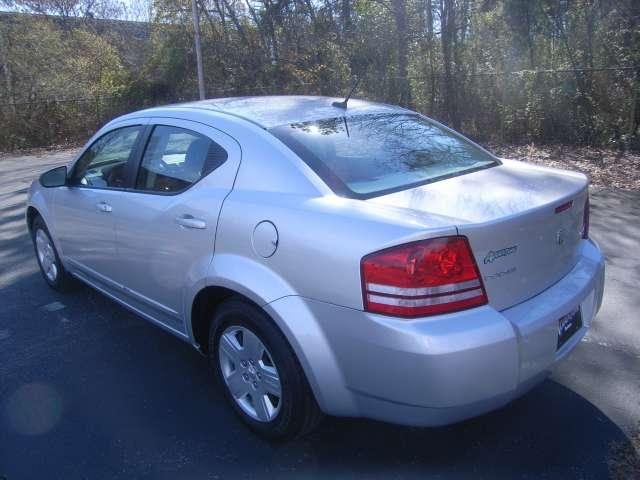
(84, 210)
(166, 233)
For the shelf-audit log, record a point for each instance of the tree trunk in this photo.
(260, 27)
(400, 14)
(270, 14)
(632, 44)
(345, 17)
(236, 23)
(196, 32)
(448, 29)
(431, 49)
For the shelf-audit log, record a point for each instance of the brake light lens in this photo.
(585, 219)
(422, 278)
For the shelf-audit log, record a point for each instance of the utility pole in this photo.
(196, 30)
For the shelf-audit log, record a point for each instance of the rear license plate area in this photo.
(568, 325)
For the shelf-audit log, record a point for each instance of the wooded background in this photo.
(510, 71)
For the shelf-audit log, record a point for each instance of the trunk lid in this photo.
(523, 223)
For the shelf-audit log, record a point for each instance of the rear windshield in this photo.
(364, 156)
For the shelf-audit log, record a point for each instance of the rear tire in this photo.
(271, 393)
(49, 262)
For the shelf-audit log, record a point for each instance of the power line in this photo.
(561, 70)
(531, 72)
(213, 92)
(285, 88)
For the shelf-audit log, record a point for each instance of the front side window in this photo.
(363, 156)
(103, 164)
(176, 158)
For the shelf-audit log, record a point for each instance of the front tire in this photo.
(259, 372)
(49, 262)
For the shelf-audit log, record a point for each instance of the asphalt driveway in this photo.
(89, 390)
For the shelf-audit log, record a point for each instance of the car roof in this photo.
(275, 110)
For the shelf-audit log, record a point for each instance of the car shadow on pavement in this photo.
(89, 390)
(148, 404)
(551, 432)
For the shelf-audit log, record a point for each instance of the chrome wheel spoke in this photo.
(252, 346)
(237, 386)
(46, 255)
(262, 406)
(250, 373)
(230, 347)
(40, 246)
(270, 381)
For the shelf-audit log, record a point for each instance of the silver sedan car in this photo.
(356, 260)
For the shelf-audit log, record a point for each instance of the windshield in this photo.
(368, 155)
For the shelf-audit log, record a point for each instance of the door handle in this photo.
(104, 207)
(189, 221)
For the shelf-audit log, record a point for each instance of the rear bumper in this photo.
(440, 369)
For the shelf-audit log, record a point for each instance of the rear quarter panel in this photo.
(321, 237)
(321, 241)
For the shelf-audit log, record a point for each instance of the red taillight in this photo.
(422, 278)
(585, 219)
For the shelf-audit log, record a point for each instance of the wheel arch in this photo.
(317, 364)
(41, 203)
(31, 214)
(204, 304)
(230, 275)
(236, 276)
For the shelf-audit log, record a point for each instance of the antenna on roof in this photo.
(343, 104)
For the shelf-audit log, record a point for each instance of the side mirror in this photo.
(56, 177)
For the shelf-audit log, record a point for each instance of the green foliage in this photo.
(44, 66)
(96, 70)
(505, 70)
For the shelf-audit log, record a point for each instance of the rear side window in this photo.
(176, 158)
(103, 164)
(362, 156)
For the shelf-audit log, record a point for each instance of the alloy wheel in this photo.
(46, 255)
(250, 373)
